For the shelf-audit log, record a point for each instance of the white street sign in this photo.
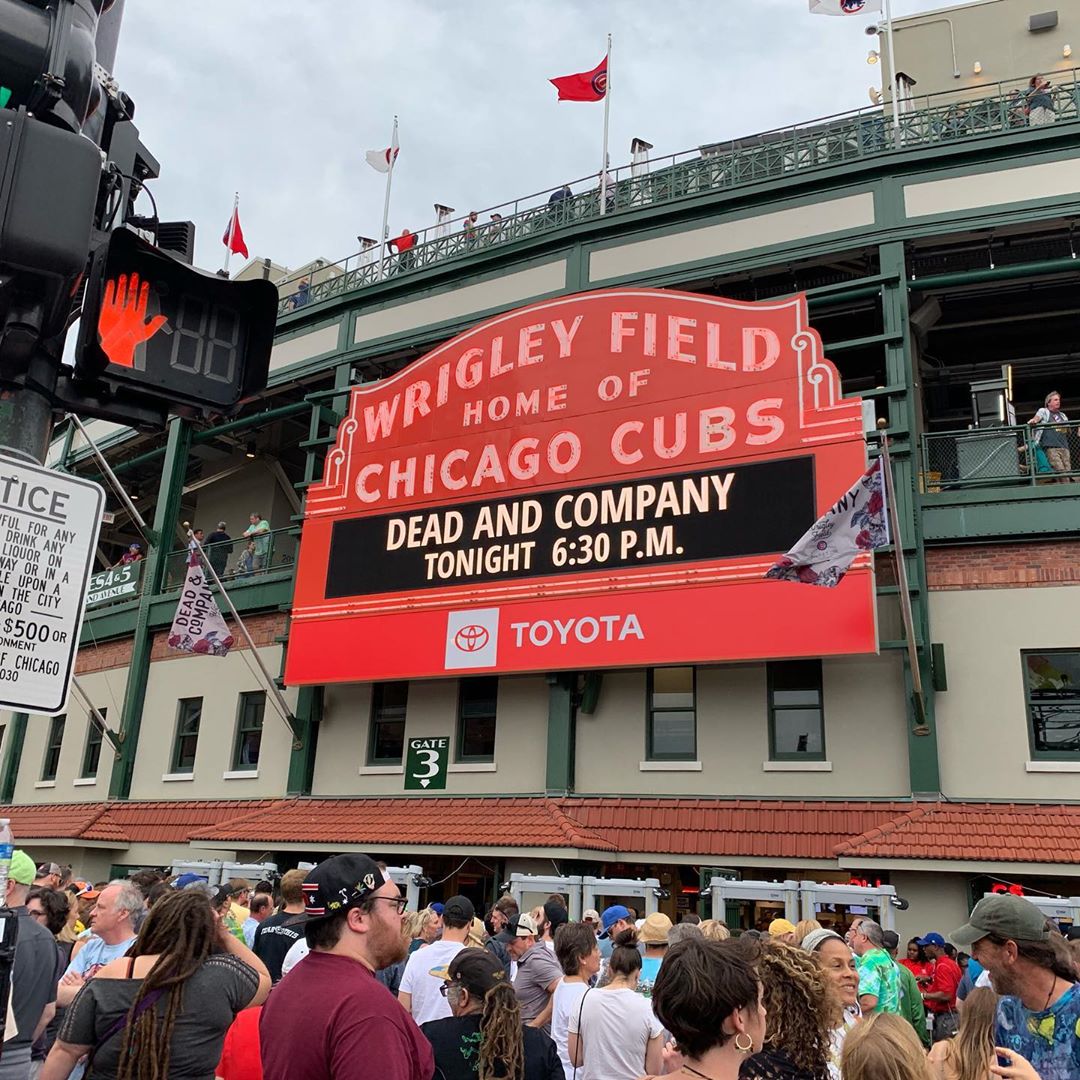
(49, 524)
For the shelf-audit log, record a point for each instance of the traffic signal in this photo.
(154, 328)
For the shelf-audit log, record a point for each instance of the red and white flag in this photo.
(844, 7)
(856, 522)
(234, 235)
(381, 160)
(584, 86)
(198, 625)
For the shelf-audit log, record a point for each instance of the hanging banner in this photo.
(595, 481)
(198, 625)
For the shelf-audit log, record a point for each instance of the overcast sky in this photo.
(279, 100)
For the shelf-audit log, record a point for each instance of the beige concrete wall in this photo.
(863, 699)
(106, 690)
(982, 719)
(995, 33)
(937, 901)
(304, 347)
(520, 734)
(220, 681)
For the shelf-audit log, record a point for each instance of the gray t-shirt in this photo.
(536, 971)
(33, 977)
(221, 988)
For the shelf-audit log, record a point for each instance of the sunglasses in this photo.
(450, 987)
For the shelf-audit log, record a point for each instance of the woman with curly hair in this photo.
(161, 1012)
(799, 1003)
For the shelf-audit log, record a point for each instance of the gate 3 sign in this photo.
(595, 481)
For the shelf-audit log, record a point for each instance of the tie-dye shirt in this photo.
(1050, 1039)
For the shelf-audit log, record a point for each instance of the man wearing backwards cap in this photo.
(1039, 1016)
(330, 1018)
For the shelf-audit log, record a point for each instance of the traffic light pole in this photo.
(26, 414)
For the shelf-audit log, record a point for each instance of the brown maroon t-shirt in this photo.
(331, 1019)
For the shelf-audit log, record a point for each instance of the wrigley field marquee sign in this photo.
(595, 481)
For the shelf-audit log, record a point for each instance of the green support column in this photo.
(14, 756)
(309, 707)
(923, 763)
(173, 473)
(561, 733)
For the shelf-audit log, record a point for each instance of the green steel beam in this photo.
(177, 449)
(14, 756)
(561, 733)
(998, 273)
(308, 713)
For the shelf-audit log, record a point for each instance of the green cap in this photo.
(23, 871)
(1004, 916)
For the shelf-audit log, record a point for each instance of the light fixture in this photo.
(977, 68)
(872, 56)
(133, 492)
(250, 449)
(875, 95)
(1067, 51)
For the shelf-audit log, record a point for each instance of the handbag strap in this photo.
(121, 1022)
(580, 1039)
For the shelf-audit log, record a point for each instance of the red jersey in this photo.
(947, 976)
(241, 1058)
(921, 969)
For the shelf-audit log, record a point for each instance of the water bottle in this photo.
(7, 846)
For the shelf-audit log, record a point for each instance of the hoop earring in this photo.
(749, 1043)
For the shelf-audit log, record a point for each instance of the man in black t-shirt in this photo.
(277, 934)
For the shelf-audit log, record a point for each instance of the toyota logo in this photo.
(471, 638)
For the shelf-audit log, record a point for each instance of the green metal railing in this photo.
(1000, 457)
(239, 560)
(926, 121)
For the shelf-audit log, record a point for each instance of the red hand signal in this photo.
(121, 323)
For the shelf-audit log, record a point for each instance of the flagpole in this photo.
(607, 116)
(279, 699)
(892, 70)
(902, 582)
(95, 715)
(232, 229)
(385, 234)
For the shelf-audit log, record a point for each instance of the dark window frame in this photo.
(245, 727)
(651, 708)
(91, 759)
(773, 671)
(383, 713)
(1036, 753)
(180, 735)
(462, 719)
(53, 747)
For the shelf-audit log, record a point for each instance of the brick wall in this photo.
(1003, 566)
(113, 654)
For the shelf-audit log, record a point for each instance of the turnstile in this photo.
(532, 890)
(834, 905)
(752, 905)
(599, 893)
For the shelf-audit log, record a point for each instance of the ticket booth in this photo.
(407, 879)
(641, 894)
(752, 905)
(1064, 910)
(532, 890)
(834, 906)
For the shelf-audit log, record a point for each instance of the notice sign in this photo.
(595, 481)
(425, 764)
(49, 522)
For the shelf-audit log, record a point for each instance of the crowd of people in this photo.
(324, 975)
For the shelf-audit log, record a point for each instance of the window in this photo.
(672, 728)
(52, 748)
(796, 713)
(92, 751)
(476, 718)
(1052, 693)
(386, 738)
(249, 727)
(188, 715)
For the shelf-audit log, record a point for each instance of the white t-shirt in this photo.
(567, 1000)
(427, 1002)
(616, 1026)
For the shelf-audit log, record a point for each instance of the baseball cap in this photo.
(654, 931)
(475, 969)
(781, 926)
(22, 870)
(591, 915)
(523, 925)
(1004, 916)
(48, 868)
(83, 890)
(437, 908)
(814, 940)
(184, 880)
(459, 909)
(339, 883)
(612, 915)
(890, 940)
(931, 939)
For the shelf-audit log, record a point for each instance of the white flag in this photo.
(198, 626)
(844, 7)
(856, 522)
(380, 160)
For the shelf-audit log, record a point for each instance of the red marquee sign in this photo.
(595, 481)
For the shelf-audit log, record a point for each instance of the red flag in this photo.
(585, 86)
(234, 235)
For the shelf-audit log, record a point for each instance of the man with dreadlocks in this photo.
(485, 1038)
(162, 1011)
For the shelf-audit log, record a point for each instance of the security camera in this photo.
(899, 903)
(872, 31)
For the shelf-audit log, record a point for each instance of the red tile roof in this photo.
(52, 820)
(974, 832)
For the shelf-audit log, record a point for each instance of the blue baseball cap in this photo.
(437, 908)
(612, 915)
(930, 939)
(184, 880)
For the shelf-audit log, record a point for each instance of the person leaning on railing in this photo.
(1051, 437)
